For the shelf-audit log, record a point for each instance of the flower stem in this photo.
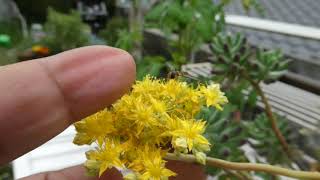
(247, 166)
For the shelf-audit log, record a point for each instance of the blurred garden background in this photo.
(264, 53)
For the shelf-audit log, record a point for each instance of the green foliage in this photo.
(237, 61)
(195, 22)
(225, 134)
(248, 4)
(240, 69)
(65, 31)
(265, 141)
(177, 61)
(176, 16)
(12, 28)
(127, 39)
(117, 34)
(150, 65)
(229, 52)
(236, 66)
(270, 66)
(112, 31)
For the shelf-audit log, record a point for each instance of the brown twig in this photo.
(272, 119)
(270, 115)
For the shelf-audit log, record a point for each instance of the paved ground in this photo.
(303, 12)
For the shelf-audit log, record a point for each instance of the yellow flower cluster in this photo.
(156, 117)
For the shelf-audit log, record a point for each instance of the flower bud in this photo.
(130, 176)
(180, 144)
(92, 167)
(81, 139)
(201, 147)
(201, 157)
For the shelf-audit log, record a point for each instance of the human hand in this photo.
(42, 97)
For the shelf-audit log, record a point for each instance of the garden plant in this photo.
(210, 121)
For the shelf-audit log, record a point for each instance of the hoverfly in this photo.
(177, 74)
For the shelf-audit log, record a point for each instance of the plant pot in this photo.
(186, 171)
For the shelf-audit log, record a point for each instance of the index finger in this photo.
(40, 98)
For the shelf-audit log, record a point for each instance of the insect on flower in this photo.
(177, 74)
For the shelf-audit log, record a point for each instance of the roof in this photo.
(306, 13)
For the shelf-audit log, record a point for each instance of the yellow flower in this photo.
(135, 159)
(214, 97)
(155, 167)
(190, 132)
(148, 85)
(174, 88)
(94, 127)
(107, 157)
(158, 106)
(157, 116)
(142, 114)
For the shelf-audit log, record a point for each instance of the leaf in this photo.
(252, 98)
(150, 65)
(238, 43)
(260, 130)
(65, 31)
(224, 134)
(276, 74)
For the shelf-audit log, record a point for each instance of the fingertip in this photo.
(92, 78)
(128, 65)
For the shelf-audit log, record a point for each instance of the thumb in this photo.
(40, 98)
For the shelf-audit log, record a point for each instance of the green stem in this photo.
(275, 170)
